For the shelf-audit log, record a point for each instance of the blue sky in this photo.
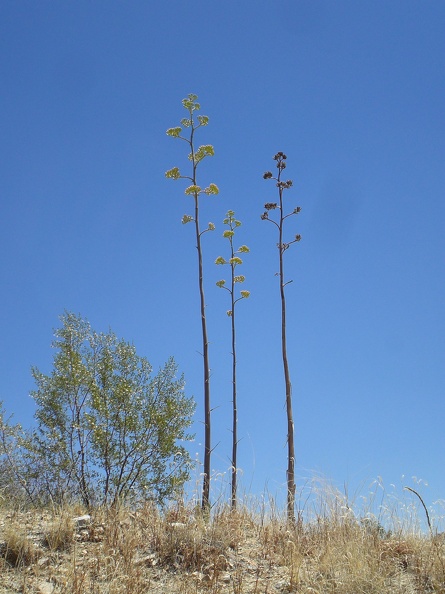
(354, 94)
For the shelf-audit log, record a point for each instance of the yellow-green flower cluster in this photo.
(211, 227)
(192, 190)
(186, 219)
(190, 103)
(245, 294)
(175, 132)
(239, 278)
(243, 249)
(205, 150)
(234, 261)
(228, 234)
(221, 283)
(173, 173)
(220, 260)
(212, 189)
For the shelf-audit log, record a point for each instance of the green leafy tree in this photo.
(234, 261)
(283, 246)
(196, 155)
(105, 427)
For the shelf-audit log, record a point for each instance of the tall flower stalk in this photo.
(191, 123)
(233, 262)
(280, 158)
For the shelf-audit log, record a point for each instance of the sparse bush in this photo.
(20, 479)
(107, 431)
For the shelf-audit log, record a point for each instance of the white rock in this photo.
(43, 561)
(82, 521)
(45, 588)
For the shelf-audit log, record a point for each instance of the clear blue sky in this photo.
(354, 94)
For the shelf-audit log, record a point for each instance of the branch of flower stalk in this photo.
(265, 217)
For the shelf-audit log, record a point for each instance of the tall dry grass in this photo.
(339, 544)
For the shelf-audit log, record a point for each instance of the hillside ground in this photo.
(252, 551)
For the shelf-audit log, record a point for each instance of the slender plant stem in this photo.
(282, 247)
(234, 395)
(424, 507)
(196, 156)
(290, 420)
(234, 261)
(205, 502)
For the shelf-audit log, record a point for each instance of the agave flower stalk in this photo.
(282, 246)
(234, 261)
(191, 123)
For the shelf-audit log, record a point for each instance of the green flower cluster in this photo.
(205, 150)
(235, 261)
(175, 132)
(212, 189)
(190, 103)
(173, 173)
(192, 190)
(203, 120)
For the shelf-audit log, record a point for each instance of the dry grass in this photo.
(330, 549)
(17, 549)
